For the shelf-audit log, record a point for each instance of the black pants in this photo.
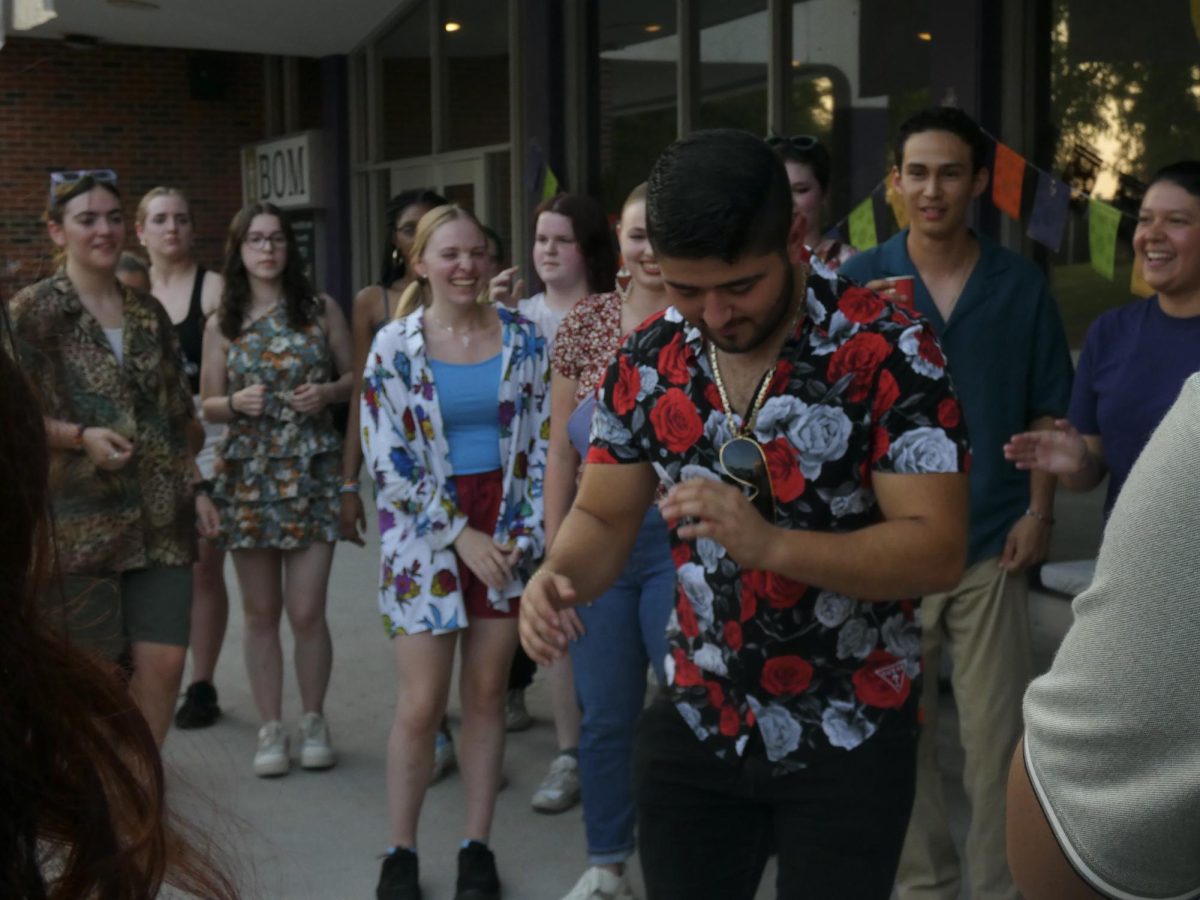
(706, 826)
(520, 673)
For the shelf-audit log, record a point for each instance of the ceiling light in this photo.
(795, 63)
(452, 27)
(136, 4)
(924, 36)
(653, 28)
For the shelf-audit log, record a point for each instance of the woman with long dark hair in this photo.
(454, 420)
(624, 632)
(81, 780)
(574, 255)
(810, 169)
(190, 294)
(271, 354)
(374, 307)
(106, 362)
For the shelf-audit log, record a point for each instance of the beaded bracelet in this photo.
(1044, 519)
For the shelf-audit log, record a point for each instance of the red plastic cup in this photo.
(903, 289)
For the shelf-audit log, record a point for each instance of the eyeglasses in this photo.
(256, 241)
(801, 142)
(744, 462)
(62, 184)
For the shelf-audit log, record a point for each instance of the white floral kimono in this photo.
(405, 447)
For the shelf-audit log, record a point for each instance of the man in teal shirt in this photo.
(1007, 351)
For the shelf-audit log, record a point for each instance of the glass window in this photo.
(733, 64)
(1125, 96)
(475, 38)
(358, 119)
(637, 86)
(858, 70)
(405, 70)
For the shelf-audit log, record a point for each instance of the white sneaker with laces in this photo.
(271, 756)
(316, 751)
(559, 790)
(601, 884)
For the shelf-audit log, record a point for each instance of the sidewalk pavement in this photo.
(319, 835)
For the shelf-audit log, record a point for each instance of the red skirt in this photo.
(479, 497)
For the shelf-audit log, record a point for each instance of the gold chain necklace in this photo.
(760, 396)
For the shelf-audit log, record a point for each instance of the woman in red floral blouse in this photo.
(626, 627)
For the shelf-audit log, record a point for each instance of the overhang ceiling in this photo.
(284, 27)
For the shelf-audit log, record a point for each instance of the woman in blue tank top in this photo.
(454, 423)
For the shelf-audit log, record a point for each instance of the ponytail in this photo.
(416, 294)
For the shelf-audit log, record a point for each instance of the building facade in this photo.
(488, 100)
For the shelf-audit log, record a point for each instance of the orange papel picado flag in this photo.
(1007, 179)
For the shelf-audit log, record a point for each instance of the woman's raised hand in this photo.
(1059, 452)
(502, 289)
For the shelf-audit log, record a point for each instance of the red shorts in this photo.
(479, 497)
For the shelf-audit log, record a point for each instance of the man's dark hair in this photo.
(945, 118)
(1184, 174)
(722, 194)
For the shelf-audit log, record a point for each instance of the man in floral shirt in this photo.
(789, 721)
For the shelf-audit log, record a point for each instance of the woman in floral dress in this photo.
(270, 357)
(454, 433)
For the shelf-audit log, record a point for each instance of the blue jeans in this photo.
(625, 630)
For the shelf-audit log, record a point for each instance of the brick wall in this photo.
(124, 108)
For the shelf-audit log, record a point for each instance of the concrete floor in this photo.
(319, 835)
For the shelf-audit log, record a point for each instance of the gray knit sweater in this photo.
(1112, 740)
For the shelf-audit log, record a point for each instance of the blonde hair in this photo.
(143, 207)
(417, 293)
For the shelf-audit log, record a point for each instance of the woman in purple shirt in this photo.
(1135, 358)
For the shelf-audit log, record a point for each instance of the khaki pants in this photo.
(984, 623)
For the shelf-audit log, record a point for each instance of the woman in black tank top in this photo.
(190, 294)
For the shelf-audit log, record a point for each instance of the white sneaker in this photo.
(559, 790)
(444, 760)
(601, 884)
(516, 716)
(271, 757)
(316, 751)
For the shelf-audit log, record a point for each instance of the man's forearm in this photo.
(892, 560)
(591, 552)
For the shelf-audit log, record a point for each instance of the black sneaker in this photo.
(199, 709)
(398, 877)
(477, 878)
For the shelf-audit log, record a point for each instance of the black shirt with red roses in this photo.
(860, 387)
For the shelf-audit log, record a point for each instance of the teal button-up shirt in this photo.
(1010, 363)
